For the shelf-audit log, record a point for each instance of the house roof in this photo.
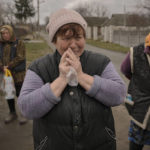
(127, 20)
(95, 21)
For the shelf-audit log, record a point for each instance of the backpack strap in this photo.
(131, 58)
(148, 57)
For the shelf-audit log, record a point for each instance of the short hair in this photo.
(74, 27)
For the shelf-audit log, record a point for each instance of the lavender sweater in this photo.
(36, 98)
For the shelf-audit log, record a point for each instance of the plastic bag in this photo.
(72, 77)
(129, 103)
(9, 87)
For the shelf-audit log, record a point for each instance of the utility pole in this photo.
(124, 8)
(38, 13)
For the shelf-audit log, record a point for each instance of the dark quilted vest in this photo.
(77, 122)
(139, 86)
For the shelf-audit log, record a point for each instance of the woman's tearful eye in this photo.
(66, 39)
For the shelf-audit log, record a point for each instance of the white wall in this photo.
(126, 36)
(95, 33)
(88, 33)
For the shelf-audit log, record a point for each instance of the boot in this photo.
(22, 119)
(11, 117)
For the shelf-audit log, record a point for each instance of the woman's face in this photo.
(5, 35)
(69, 40)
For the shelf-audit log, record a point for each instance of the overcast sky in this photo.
(113, 6)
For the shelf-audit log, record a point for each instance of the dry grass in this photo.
(109, 46)
(36, 50)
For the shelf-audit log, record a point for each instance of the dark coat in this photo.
(139, 86)
(19, 57)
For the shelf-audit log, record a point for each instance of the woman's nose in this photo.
(72, 43)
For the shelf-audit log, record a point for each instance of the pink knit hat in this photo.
(62, 17)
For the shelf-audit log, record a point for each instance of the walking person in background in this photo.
(69, 94)
(136, 67)
(12, 57)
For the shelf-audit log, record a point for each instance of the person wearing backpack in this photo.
(136, 67)
(12, 57)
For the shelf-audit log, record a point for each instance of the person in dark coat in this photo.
(136, 67)
(12, 57)
(69, 94)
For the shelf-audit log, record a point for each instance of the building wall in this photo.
(125, 36)
(95, 33)
(92, 33)
(106, 33)
(89, 32)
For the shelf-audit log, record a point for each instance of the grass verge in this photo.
(36, 49)
(109, 46)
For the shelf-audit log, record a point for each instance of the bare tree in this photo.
(1, 14)
(84, 9)
(99, 9)
(146, 5)
(6, 13)
(9, 13)
(143, 7)
(94, 8)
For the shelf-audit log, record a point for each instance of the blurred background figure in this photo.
(136, 67)
(12, 57)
